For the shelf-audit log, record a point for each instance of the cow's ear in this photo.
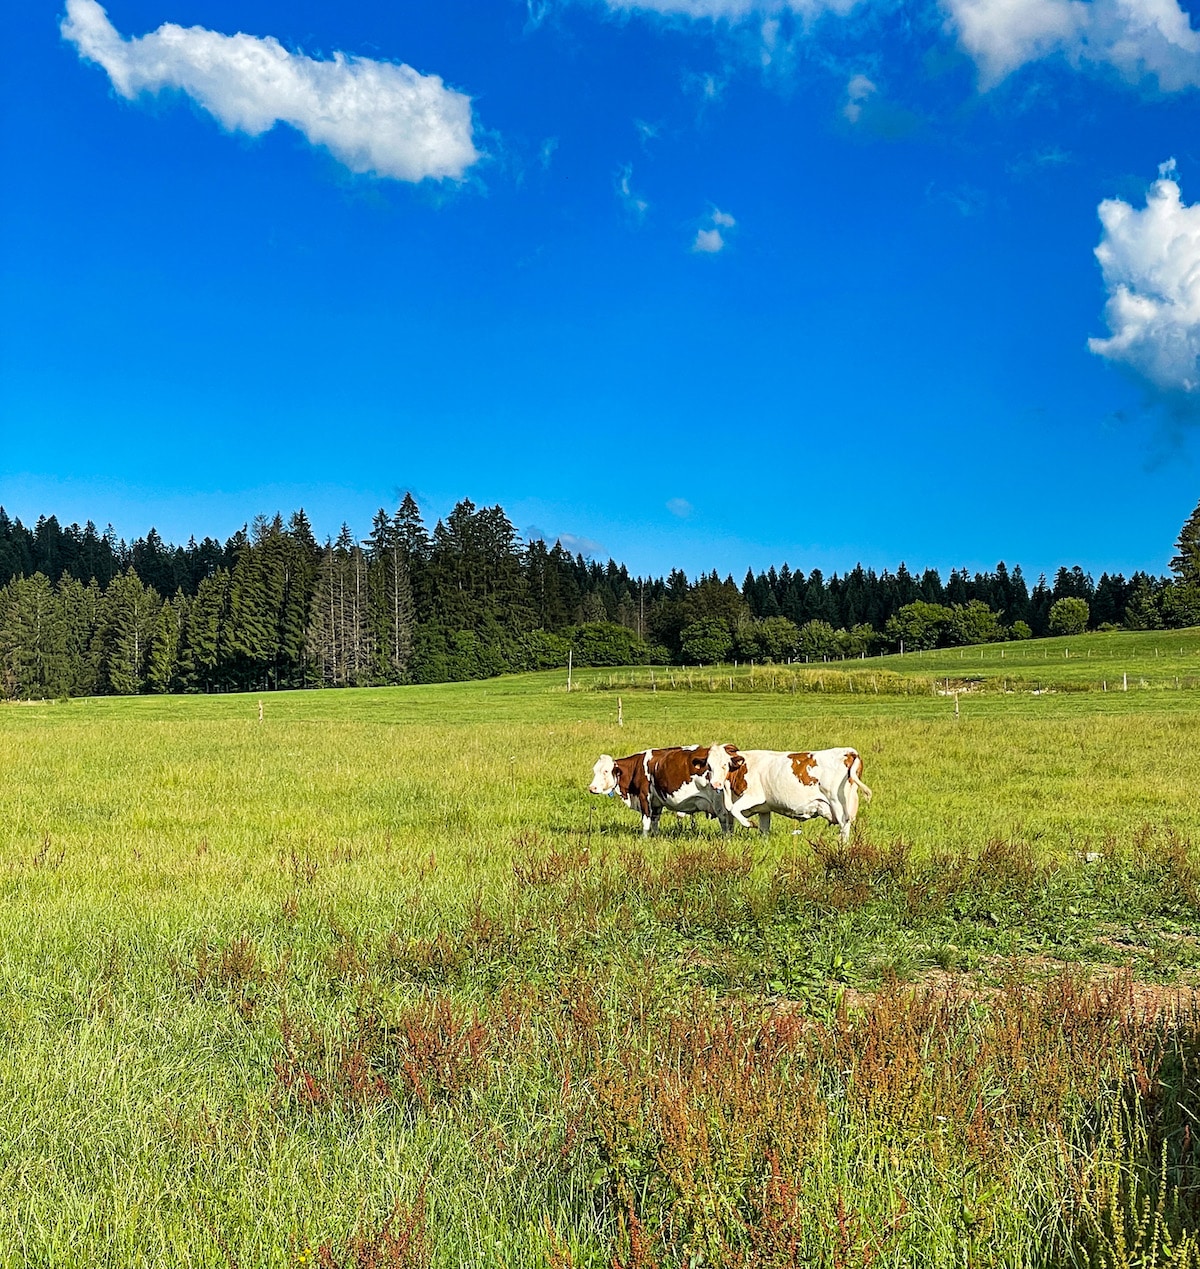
(731, 750)
(738, 763)
(699, 763)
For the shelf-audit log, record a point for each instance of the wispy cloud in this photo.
(372, 116)
(647, 132)
(735, 10)
(633, 203)
(575, 543)
(1140, 38)
(679, 507)
(1150, 260)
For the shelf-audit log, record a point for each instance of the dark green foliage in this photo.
(125, 632)
(606, 643)
(705, 642)
(1186, 564)
(270, 608)
(1179, 603)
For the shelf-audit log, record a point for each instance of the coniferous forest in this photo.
(84, 613)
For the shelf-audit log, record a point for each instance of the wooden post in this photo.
(260, 711)
(569, 659)
(1125, 682)
(620, 714)
(955, 704)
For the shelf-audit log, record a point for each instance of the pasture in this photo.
(374, 981)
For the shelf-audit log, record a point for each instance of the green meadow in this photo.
(367, 978)
(1100, 662)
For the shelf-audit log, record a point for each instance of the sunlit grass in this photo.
(183, 882)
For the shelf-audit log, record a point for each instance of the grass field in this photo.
(1111, 662)
(374, 981)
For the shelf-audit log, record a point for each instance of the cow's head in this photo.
(604, 776)
(723, 761)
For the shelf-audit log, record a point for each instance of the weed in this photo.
(401, 1242)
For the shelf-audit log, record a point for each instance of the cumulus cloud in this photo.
(679, 507)
(1150, 260)
(858, 91)
(1140, 38)
(709, 239)
(372, 116)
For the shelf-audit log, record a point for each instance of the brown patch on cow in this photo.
(802, 765)
(630, 774)
(737, 773)
(671, 769)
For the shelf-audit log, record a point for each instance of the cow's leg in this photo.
(764, 822)
(737, 815)
(726, 822)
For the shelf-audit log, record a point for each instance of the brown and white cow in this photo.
(801, 785)
(658, 780)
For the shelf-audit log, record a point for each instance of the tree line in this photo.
(83, 612)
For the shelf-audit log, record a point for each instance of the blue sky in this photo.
(710, 283)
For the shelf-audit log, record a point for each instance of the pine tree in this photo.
(32, 638)
(204, 633)
(391, 603)
(162, 674)
(126, 629)
(1186, 565)
(80, 606)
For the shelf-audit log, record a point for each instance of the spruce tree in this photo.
(1186, 564)
(126, 628)
(80, 606)
(32, 638)
(204, 634)
(163, 668)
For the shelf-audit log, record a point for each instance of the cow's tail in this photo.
(854, 771)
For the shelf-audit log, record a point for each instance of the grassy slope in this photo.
(140, 1083)
(1156, 659)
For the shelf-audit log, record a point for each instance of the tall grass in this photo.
(374, 981)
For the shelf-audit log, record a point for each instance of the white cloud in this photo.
(709, 239)
(679, 507)
(858, 91)
(634, 205)
(1150, 260)
(1140, 38)
(372, 116)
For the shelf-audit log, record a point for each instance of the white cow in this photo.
(801, 785)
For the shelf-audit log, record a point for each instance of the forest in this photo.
(85, 613)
